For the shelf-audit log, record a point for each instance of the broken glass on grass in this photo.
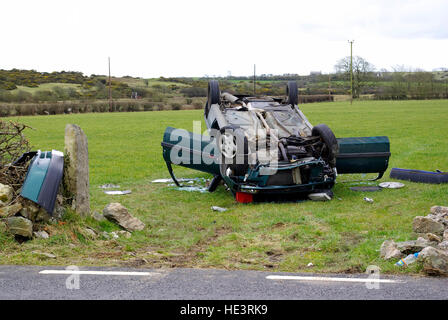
(117, 192)
(113, 192)
(193, 184)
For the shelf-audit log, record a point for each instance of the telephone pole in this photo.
(254, 78)
(110, 91)
(351, 70)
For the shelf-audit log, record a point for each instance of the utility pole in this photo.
(351, 70)
(254, 78)
(110, 91)
(329, 87)
(446, 90)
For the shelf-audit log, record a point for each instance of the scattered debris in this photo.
(114, 235)
(356, 183)
(369, 200)
(115, 212)
(366, 189)
(321, 196)
(192, 189)
(408, 260)
(43, 178)
(436, 177)
(309, 265)
(198, 187)
(163, 180)
(219, 209)
(109, 186)
(431, 246)
(188, 180)
(391, 185)
(117, 192)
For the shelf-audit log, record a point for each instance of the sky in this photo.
(217, 38)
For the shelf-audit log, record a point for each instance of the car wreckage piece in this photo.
(263, 146)
(43, 177)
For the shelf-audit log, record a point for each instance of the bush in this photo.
(197, 105)
(315, 98)
(45, 95)
(194, 92)
(6, 96)
(24, 96)
(176, 106)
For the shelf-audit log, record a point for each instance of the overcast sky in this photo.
(194, 38)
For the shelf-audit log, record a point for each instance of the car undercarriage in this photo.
(259, 146)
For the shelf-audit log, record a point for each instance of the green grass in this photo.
(343, 235)
(140, 82)
(46, 86)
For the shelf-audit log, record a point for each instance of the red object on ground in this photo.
(242, 197)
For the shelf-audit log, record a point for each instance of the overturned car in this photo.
(265, 146)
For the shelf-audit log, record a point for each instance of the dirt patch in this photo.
(351, 239)
(107, 255)
(353, 269)
(134, 263)
(278, 225)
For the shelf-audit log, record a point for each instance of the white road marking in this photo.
(105, 273)
(310, 278)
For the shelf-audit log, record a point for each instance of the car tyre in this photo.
(292, 92)
(327, 136)
(213, 95)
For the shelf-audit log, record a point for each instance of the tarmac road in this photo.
(28, 282)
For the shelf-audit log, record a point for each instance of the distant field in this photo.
(343, 235)
(132, 82)
(140, 83)
(46, 86)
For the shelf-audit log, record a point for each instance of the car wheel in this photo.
(331, 147)
(213, 95)
(233, 146)
(292, 93)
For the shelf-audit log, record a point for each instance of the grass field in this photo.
(343, 235)
(46, 86)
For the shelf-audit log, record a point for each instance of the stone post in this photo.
(76, 169)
